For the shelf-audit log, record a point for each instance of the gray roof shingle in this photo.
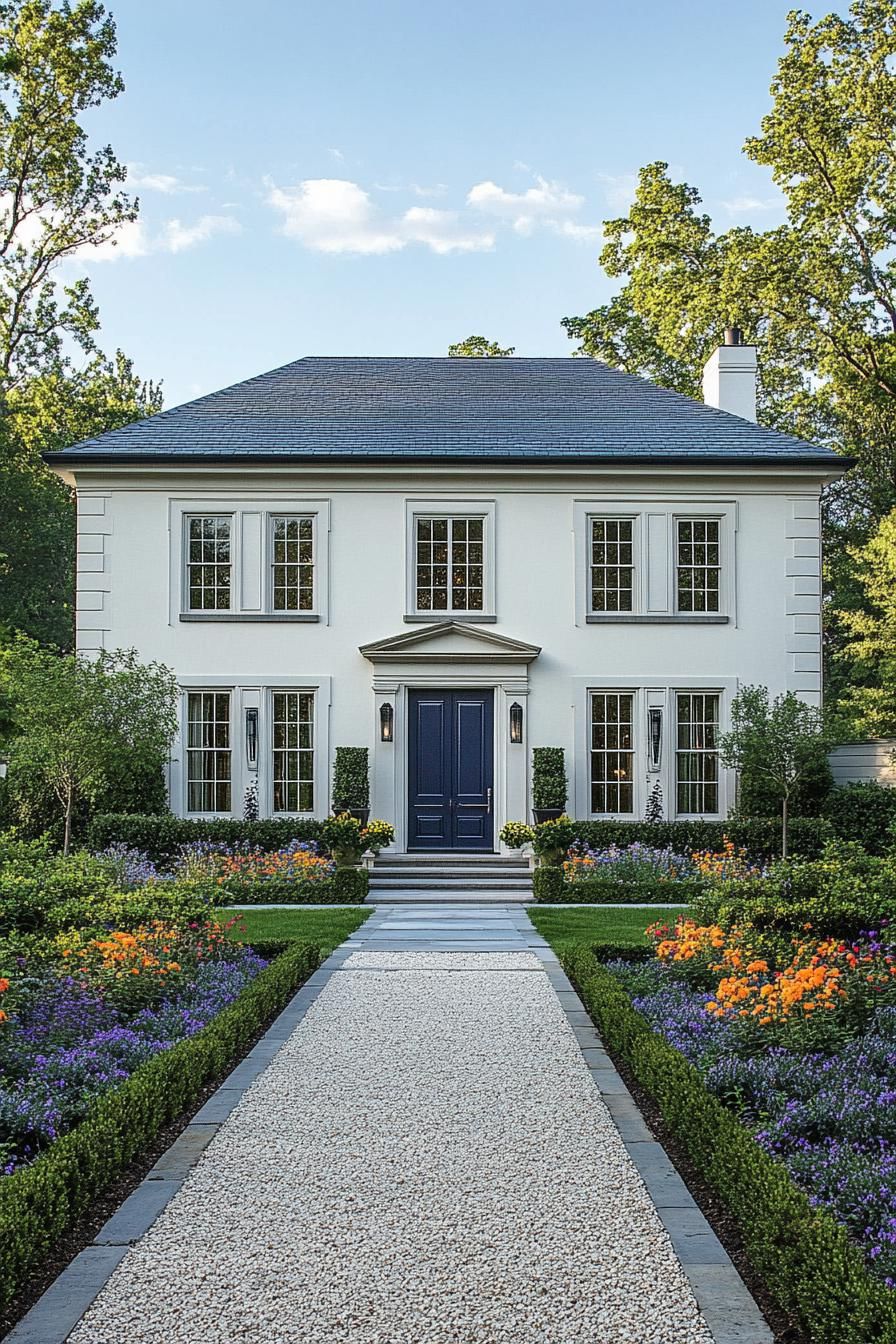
(442, 409)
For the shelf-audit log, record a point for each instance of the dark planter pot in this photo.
(361, 814)
(546, 814)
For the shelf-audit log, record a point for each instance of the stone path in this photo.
(426, 1158)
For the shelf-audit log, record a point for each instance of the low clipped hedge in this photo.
(161, 836)
(802, 1254)
(548, 887)
(761, 838)
(347, 886)
(40, 1202)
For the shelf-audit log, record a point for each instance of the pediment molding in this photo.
(450, 642)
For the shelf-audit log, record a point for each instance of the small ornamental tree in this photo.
(774, 743)
(78, 724)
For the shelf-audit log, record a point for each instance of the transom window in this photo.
(292, 563)
(209, 563)
(612, 752)
(208, 751)
(697, 754)
(612, 564)
(698, 563)
(449, 565)
(293, 751)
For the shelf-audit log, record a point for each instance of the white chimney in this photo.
(729, 377)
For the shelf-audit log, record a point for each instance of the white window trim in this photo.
(250, 691)
(268, 744)
(268, 561)
(654, 555)
(450, 508)
(657, 691)
(240, 509)
(186, 692)
(189, 516)
(639, 752)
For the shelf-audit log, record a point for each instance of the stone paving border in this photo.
(727, 1306)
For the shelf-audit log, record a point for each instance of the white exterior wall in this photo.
(130, 595)
(864, 762)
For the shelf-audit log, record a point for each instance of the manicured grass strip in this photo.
(39, 1203)
(326, 928)
(594, 925)
(804, 1257)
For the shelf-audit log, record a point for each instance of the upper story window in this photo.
(612, 567)
(698, 564)
(209, 562)
(449, 564)
(292, 563)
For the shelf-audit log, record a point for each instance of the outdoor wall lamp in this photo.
(386, 717)
(252, 738)
(655, 721)
(516, 722)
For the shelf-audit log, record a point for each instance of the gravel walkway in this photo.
(426, 1161)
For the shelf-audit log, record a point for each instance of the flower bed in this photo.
(639, 873)
(806, 1258)
(45, 1196)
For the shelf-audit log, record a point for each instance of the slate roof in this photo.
(441, 410)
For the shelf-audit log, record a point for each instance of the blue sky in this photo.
(384, 178)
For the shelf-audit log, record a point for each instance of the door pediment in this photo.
(450, 642)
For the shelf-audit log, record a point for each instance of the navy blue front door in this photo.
(450, 769)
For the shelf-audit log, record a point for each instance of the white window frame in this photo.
(206, 689)
(638, 750)
(614, 516)
(269, 766)
(194, 515)
(685, 517)
(268, 586)
(676, 693)
(450, 508)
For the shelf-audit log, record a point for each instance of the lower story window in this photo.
(293, 751)
(697, 754)
(208, 751)
(612, 752)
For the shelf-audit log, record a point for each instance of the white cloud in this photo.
(177, 237)
(753, 205)
(165, 183)
(547, 204)
(437, 189)
(442, 231)
(328, 214)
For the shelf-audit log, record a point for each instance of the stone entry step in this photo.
(455, 877)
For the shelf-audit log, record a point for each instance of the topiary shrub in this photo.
(548, 886)
(548, 778)
(350, 886)
(351, 779)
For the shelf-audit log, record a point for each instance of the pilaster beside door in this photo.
(451, 770)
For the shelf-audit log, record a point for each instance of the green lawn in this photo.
(326, 927)
(595, 923)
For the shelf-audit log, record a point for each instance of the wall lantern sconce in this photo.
(516, 722)
(655, 720)
(387, 715)
(252, 738)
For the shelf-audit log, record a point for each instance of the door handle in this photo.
(488, 794)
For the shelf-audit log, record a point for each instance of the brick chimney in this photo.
(729, 377)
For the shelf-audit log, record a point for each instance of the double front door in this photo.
(450, 770)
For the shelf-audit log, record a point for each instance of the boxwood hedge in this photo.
(548, 887)
(161, 836)
(40, 1202)
(802, 1254)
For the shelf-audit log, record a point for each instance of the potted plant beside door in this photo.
(351, 783)
(548, 783)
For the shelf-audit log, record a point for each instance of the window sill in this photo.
(289, 617)
(649, 618)
(434, 617)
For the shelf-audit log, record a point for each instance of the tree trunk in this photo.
(69, 803)
(784, 827)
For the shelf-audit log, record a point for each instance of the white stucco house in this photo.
(450, 562)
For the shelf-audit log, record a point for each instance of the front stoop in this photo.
(455, 877)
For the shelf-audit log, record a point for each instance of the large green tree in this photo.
(816, 294)
(58, 198)
(479, 347)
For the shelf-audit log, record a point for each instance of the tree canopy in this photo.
(479, 347)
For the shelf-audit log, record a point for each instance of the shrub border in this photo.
(802, 1254)
(40, 1202)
